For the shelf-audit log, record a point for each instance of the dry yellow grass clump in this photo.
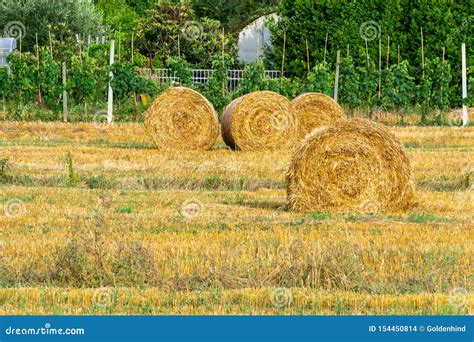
(260, 121)
(315, 110)
(353, 165)
(181, 118)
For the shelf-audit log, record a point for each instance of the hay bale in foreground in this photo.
(315, 110)
(260, 121)
(182, 119)
(353, 165)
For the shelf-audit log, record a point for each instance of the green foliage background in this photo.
(446, 23)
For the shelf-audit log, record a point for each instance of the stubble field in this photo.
(94, 220)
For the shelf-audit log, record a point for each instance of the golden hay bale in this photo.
(315, 110)
(260, 121)
(353, 165)
(181, 118)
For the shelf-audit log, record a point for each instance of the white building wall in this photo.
(254, 38)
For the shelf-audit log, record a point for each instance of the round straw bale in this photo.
(260, 121)
(315, 110)
(182, 119)
(353, 165)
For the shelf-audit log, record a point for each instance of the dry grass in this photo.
(228, 253)
(128, 301)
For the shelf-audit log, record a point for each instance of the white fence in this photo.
(162, 76)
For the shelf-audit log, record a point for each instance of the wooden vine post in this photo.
(388, 51)
(380, 68)
(50, 43)
(40, 98)
(398, 54)
(326, 46)
(336, 80)
(307, 56)
(135, 101)
(223, 61)
(465, 117)
(283, 59)
(65, 109)
(422, 53)
(4, 107)
(110, 102)
(367, 52)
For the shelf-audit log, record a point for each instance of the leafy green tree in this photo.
(26, 18)
(216, 87)
(23, 83)
(320, 80)
(173, 30)
(83, 81)
(253, 79)
(440, 74)
(49, 80)
(447, 25)
(180, 69)
(4, 87)
(127, 81)
(423, 98)
(398, 87)
(233, 14)
(349, 84)
(369, 77)
(120, 15)
(288, 87)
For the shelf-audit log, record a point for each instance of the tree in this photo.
(447, 25)
(233, 14)
(320, 80)
(397, 89)
(23, 19)
(172, 30)
(119, 15)
(349, 84)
